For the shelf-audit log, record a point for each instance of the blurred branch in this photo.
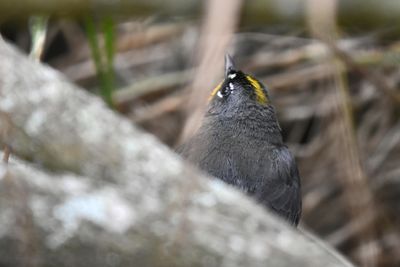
(151, 85)
(356, 192)
(168, 104)
(374, 77)
(86, 221)
(387, 144)
(317, 51)
(216, 34)
(355, 14)
(128, 45)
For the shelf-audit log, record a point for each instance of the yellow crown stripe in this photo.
(261, 97)
(215, 91)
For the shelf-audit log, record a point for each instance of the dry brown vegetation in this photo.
(337, 100)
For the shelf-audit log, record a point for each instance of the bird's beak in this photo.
(229, 64)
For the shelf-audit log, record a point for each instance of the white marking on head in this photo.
(231, 86)
(219, 94)
(231, 76)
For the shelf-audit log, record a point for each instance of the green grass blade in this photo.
(103, 59)
(108, 31)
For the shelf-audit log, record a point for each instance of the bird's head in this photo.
(236, 92)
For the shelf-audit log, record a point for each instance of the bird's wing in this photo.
(280, 185)
(268, 173)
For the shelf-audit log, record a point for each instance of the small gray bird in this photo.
(240, 142)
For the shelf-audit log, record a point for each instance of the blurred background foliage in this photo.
(332, 68)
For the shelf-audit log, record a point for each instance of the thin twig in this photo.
(151, 85)
(374, 77)
(6, 153)
(168, 104)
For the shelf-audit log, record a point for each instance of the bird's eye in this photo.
(225, 91)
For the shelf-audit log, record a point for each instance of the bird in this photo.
(240, 142)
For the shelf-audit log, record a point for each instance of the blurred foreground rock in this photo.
(99, 192)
